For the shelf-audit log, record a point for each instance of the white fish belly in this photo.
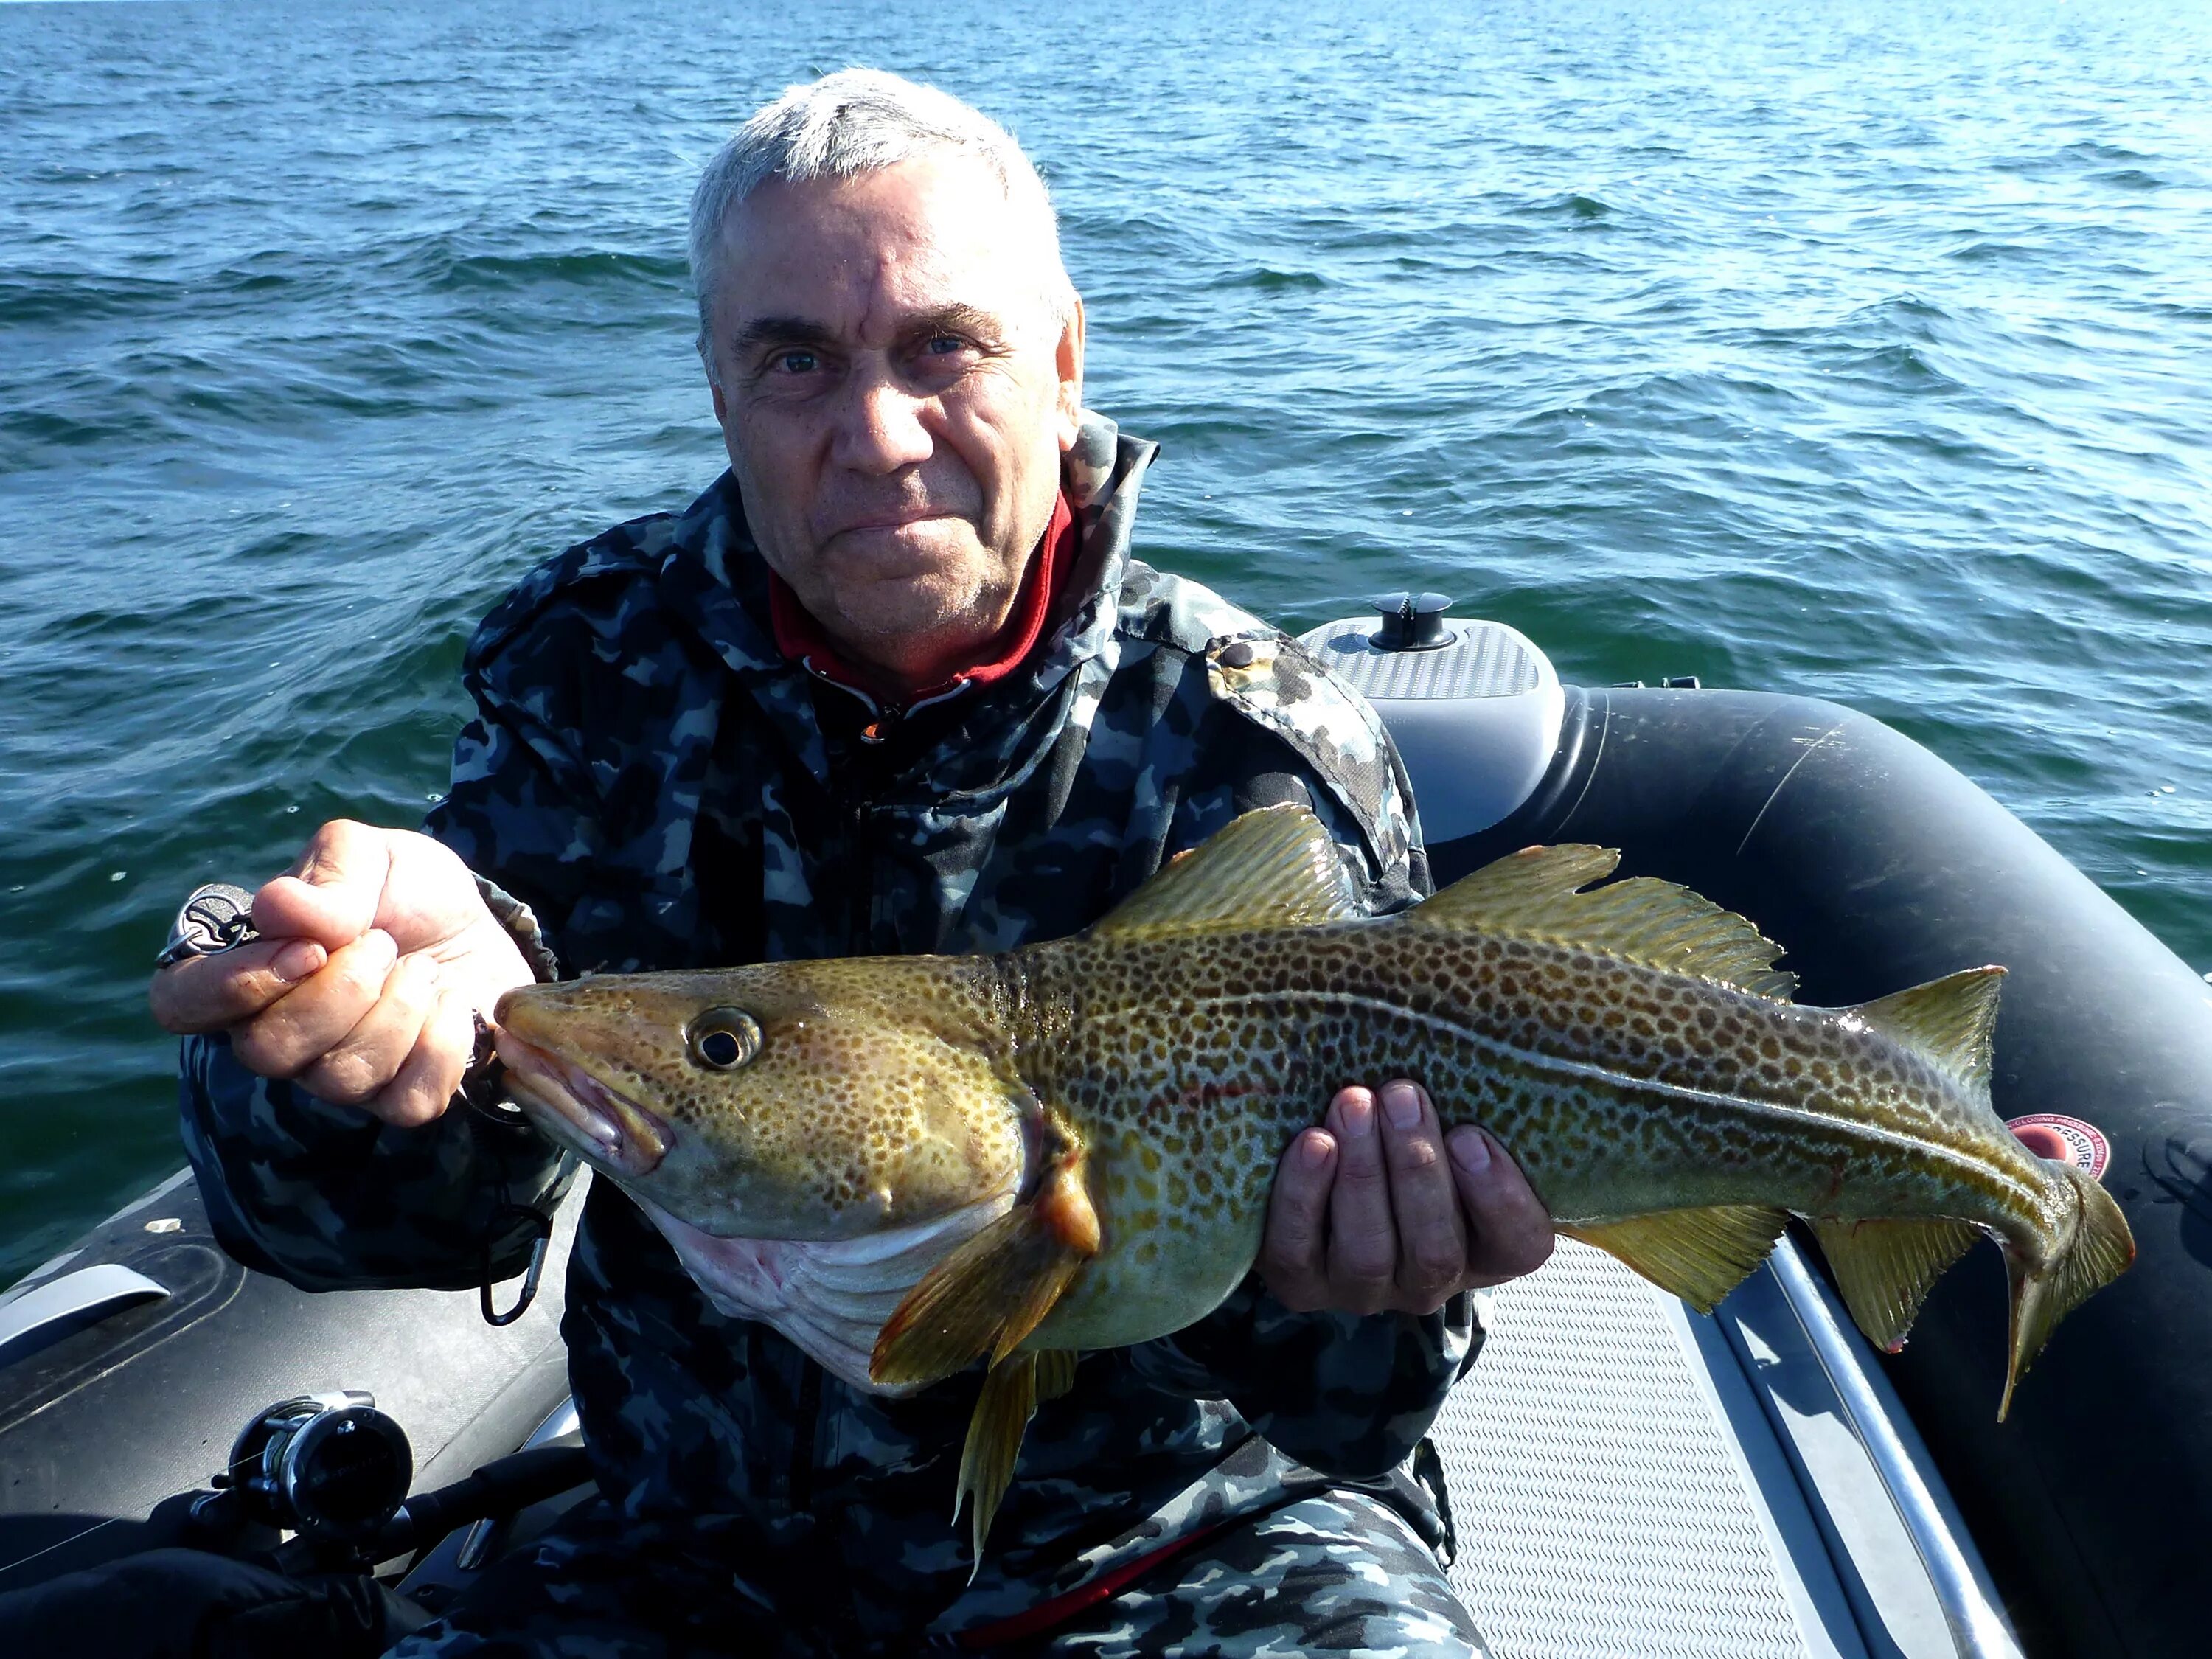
(831, 1297)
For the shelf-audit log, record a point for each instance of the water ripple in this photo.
(1857, 350)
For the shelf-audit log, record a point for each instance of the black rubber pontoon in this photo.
(1879, 866)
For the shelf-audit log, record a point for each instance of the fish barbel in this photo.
(907, 1164)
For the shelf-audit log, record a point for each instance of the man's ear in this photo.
(1068, 359)
(722, 419)
(713, 380)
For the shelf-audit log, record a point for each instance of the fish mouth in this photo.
(575, 1108)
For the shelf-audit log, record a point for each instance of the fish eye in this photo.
(723, 1039)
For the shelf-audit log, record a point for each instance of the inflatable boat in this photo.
(1626, 1477)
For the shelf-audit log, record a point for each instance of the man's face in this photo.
(896, 392)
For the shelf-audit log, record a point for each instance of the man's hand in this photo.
(376, 951)
(1379, 1210)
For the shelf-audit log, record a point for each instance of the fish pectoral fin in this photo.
(1536, 893)
(1949, 1022)
(1885, 1267)
(984, 1299)
(1699, 1255)
(1274, 867)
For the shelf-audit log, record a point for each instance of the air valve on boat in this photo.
(1410, 622)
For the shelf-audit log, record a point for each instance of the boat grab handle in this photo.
(46, 1315)
(1971, 1609)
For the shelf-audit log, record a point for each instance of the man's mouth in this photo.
(574, 1106)
(895, 521)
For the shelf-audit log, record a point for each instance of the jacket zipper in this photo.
(860, 888)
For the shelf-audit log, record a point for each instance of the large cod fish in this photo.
(907, 1164)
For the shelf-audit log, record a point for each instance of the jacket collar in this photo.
(716, 584)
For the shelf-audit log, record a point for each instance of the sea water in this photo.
(1858, 350)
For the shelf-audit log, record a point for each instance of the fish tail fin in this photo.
(1884, 1269)
(2097, 1251)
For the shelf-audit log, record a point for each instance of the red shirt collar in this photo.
(800, 638)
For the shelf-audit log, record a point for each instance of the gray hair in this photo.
(856, 121)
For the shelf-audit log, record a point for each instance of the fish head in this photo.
(805, 1100)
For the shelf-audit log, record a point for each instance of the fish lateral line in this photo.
(1749, 1107)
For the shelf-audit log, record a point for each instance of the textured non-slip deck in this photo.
(1603, 1509)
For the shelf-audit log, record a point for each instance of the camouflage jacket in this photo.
(666, 790)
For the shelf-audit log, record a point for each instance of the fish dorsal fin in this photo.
(1949, 1022)
(1274, 867)
(1536, 893)
(1699, 1255)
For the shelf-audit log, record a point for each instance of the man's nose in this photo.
(880, 428)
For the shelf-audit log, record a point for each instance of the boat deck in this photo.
(1628, 1479)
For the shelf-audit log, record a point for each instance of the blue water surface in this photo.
(1817, 345)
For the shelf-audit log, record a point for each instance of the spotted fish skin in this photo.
(1620, 1089)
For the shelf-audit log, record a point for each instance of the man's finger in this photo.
(1362, 1238)
(333, 891)
(206, 993)
(302, 1027)
(1424, 1199)
(1510, 1231)
(424, 1086)
(1294, 1250)
(371, 1055)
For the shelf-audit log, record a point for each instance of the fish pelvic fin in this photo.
(1949, 1022)
(1274, 867)
(1004, 1406)
(2099, 1250)
(1699, 1255)
(990, 1293)
(1055, 1373)
(1012, 1391)
(1538, 893)
(1885, 1268)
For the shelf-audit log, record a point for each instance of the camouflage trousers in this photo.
(1333, 1572)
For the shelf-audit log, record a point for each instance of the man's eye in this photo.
(796, 363)
(944, 345)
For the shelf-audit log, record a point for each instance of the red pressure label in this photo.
(2064, 1139)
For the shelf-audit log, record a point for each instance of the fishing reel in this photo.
(329, 1467)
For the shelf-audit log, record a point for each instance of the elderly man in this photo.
(893, 682)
